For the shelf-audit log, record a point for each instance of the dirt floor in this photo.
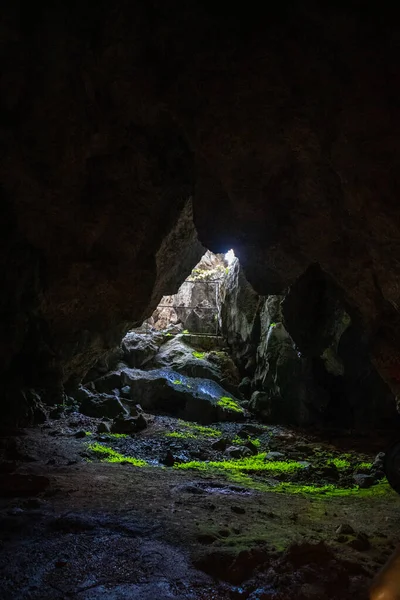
(76, 526)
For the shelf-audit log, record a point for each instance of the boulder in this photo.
(364, 481)
(126, 424)
(102, 405)
(140, 346)
(169, 392)
(110, 382)
(179, 355)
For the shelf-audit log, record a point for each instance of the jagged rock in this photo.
(378, 463)
(139, 347)
(126, 424)
(102, 405)
(239, 317)
(301, 351)
(286, 391)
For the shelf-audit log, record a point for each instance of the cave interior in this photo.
(200, 329)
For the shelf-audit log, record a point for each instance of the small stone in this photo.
(238, 451)
(272, 456)
(345, 529)
(126, 424)
(252, 447)
(80, 434)
(220, 444)
(238, 510)
(169, 459)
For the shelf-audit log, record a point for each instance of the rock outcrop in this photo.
(303, 357)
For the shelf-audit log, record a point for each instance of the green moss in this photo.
(273, 324)
(185, 331)
(116, 436)
(249, 464)
(201, 429)
(340, 463)
(364, 465)
(177, 382)
(88, 433)
(238, 441)
(200, 355)
(382, 488)
(107, 454)
(180, 435)
(229, 404)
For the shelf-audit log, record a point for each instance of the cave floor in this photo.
(74, 526)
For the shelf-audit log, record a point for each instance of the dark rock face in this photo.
(102, 405)
(284, 125)
(320, 372)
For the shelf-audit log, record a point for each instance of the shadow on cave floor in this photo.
(96, 515)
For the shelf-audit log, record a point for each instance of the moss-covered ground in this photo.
(260, 522)
(301, 467)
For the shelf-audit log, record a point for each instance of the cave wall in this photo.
(304, 360)
(282, 122)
